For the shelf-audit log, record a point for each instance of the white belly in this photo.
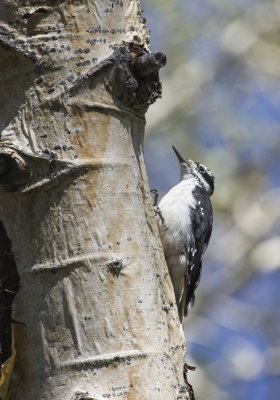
(175, 229)
(175, 209)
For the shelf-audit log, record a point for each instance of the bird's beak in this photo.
(179, 156)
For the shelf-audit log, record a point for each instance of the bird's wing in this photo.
(201, 220)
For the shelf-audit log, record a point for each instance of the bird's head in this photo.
(202, 174)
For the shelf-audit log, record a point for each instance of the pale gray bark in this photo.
(95, 296)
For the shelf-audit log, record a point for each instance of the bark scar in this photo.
(134, 78)
(13, 168)
(26, 171)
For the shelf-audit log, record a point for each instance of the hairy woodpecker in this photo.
(185, 222)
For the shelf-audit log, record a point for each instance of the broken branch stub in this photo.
(134, 78)
(148, 63)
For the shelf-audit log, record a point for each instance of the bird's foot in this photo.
(156, 207)
(159, 213)
(155, 193)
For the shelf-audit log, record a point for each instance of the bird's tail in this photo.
(182, 310)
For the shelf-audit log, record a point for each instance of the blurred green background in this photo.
(221, 106)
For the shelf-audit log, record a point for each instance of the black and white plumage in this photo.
(185, 222)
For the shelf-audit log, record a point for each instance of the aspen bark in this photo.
(95, 303)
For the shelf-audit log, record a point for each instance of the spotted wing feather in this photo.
(201, 228)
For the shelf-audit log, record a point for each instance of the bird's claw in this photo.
(155, 193)
(157, 210)
(186, 368)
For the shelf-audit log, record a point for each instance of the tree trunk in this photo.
(95, 306)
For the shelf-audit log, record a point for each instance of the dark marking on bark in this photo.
(82, 396)
(149, 91)
(122, 82)
(166, 308)
(115, 267)
(40, 10)
(27, 171)
(50, 155)
(9, 285)
(123, 359)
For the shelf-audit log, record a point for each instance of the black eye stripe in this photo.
(206, 175)
(200, 167)
(209, 179)
(203, 170)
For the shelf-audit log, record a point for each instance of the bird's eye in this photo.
(200, 168)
